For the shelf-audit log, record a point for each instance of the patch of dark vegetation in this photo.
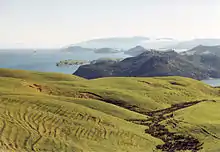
(89, 95)
(210, 134)
(145, 82)
(176, 107)
(173, 141)
(116, 102)
(176, 83)
(37, 87)
(41, 88)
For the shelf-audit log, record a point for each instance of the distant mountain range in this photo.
(157, 63)
(195, 42)
(201, 49)
(116, 42)
(82, 49)
(136, 45)
(126, 43)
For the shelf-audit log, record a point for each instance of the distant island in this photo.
(106, 50)
(96, 50)
(71, 62)
(106, 60)
(76, 49)
(136, 51)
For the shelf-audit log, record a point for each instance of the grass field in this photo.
(43, 112)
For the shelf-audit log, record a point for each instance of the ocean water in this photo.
(46, 61)
(213, 82)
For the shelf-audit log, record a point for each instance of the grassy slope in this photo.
(202, 121)
(48, 111)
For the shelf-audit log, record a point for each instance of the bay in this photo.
(46, 61)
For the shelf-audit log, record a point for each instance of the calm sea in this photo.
(46, 61)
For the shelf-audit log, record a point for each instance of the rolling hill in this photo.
(57, 112)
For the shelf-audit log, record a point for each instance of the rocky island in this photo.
(156, 63)
(71, 62)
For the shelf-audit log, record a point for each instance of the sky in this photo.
(55, 23)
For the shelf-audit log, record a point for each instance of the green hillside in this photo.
(43, 112)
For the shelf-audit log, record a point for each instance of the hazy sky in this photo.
(52, 23)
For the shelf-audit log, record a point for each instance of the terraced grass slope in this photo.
(56, 112)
